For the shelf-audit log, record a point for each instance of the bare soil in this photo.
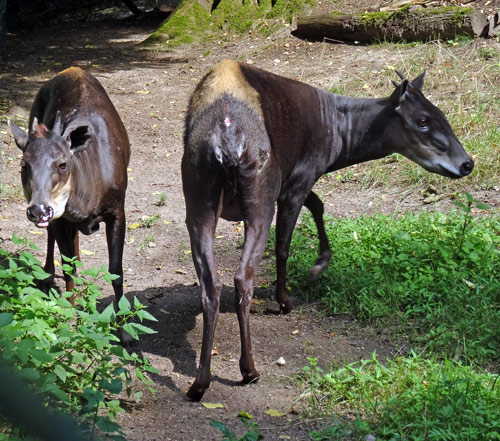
(150, 91)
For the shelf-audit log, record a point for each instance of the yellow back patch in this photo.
(74, 72)
(225, 78)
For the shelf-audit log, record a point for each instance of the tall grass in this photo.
(435, 276)
(408, 398)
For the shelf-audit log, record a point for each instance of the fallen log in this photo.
(405, 24)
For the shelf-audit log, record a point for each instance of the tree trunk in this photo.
(406, 24)
(3, 22)
(131, 5)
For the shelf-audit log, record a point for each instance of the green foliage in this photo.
(435, 275)
(69, 354)
(253, 432)
(408, 398)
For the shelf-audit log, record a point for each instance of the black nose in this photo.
(39, 213)
(467, 167)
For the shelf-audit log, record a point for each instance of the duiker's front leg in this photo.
(315, 206)
(115, 237)
(66, 236)
(289, 205)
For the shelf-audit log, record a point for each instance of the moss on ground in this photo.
(456, 14)
(193, 23)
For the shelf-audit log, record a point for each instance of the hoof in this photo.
(316, 271)
(126, 340)
(250, 378)
(195, 392)
(286, 307)
(320, 265)
(45, 285)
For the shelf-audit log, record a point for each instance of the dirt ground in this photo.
(150, 91)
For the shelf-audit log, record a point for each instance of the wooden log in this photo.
(404, 24)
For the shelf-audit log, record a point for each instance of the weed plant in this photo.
(435, 276)
(408, 398)
(68, 354)
(252, 431)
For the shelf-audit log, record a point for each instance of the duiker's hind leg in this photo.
(202, 198)
(202, 247)
(315, 206)
(256, 234)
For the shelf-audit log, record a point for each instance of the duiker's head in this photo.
(423, 134)
(45, 167)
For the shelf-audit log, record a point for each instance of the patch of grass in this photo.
(408, 398)
(434, 275)
(11, 193)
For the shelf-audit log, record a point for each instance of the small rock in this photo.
(280, 361)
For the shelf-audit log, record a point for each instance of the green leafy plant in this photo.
(252, 433)
(69, 353)
(467, 210)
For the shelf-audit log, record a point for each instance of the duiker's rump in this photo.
(253, 138)
(74, 167)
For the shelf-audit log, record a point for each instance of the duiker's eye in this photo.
(423, 122)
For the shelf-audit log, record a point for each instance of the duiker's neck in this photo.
(362, 126)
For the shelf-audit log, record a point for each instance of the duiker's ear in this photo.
(419, 81)
(79, 138)
(20, 136)
(399, 94)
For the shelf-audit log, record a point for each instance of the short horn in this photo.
(35, 124)
(400, 75)
(57, 123)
